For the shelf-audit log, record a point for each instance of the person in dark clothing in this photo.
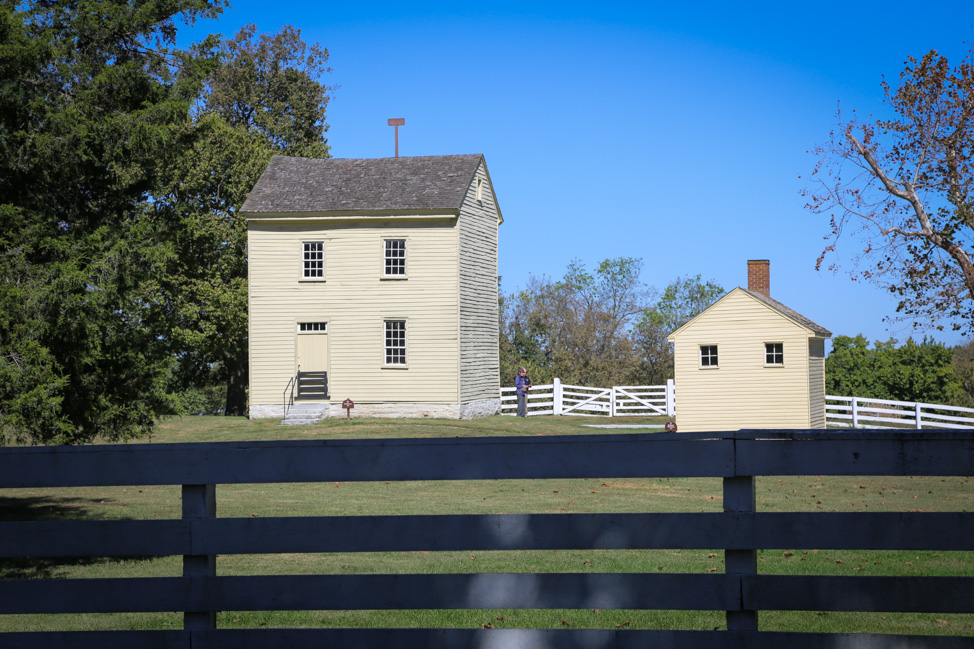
(522, 384)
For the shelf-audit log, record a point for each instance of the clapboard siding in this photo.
(479, 357)
(354, 299)
(743, 392)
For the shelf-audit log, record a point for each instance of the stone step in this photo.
(305, 414)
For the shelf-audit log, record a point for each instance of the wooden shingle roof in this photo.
(790, 313)
(414, 184)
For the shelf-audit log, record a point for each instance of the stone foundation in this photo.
(473, 410)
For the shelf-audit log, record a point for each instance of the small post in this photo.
(670, 398)
(397, 122)
(199, 502)
(855, 412)
(556, 395)
(739, 497)
(919, 417)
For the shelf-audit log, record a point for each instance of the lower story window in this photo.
(313, 326)
(708, 355)
(774, 353)
(395, 342)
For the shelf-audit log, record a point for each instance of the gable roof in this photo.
(791, 314)
(413, 184)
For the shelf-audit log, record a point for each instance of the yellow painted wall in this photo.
(742, 392)
(354, 299)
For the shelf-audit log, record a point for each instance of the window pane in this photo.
(395, 258)
(314, 259)
(395, 342)
(708, 355)
(774, 353)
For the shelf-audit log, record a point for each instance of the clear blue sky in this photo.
(673, 132)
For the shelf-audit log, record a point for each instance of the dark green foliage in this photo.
(912, 372)
(91, 98)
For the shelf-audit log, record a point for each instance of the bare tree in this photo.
(904, 186)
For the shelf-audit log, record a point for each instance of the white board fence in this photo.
(860, 412)
(557, 398)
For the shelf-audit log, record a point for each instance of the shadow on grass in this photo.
(47, 508)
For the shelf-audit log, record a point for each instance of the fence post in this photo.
(612, 402)
(739, 497)
(855, 412)
(556, 395)
(917, 410)
(199, 501)
(670, 398)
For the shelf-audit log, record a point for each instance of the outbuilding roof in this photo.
(794, 315)
(791, 314)
(413, 184)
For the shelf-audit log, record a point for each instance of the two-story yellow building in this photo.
(374, 280)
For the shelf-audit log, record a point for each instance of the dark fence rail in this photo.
(740, 530)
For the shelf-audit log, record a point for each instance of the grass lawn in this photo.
(803, 493)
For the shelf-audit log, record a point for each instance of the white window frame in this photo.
(386, 258)
(772, 357)
(307, 262)
(399, 348)
(480, 190)
(706, 353)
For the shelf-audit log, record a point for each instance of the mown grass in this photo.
(802, 493)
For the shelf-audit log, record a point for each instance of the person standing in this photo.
(522, 384)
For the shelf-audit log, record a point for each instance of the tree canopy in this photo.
(921, 372)
(904, 185)
(601, 328)
(123, 164)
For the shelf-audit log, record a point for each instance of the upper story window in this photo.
(313, 260)
(395, 344)
(395, 258)
(480, 189)
(708, 355)
(313, 327)
(774, 353)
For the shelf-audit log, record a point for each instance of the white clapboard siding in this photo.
(479, 357)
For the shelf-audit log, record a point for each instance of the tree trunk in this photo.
(237, 380)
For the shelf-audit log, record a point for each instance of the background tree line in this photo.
(600, 328)
(123, 164)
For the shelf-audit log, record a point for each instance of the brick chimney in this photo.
(759, 276)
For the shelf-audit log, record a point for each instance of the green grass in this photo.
(803, 493)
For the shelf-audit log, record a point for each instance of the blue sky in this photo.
(672, 132)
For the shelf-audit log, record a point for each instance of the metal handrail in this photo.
(291, 384)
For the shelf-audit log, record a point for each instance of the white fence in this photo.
(557, 398)
(859, 412)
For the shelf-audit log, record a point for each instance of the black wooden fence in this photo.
(739, 530)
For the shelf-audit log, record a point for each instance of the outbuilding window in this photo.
(708, 355)
(774, 353)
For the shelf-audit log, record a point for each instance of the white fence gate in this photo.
(557, 398)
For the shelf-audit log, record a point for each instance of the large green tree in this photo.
(93, 100)
(905, 186)
(266, 97)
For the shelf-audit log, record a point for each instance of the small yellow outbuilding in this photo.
(748, 361)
